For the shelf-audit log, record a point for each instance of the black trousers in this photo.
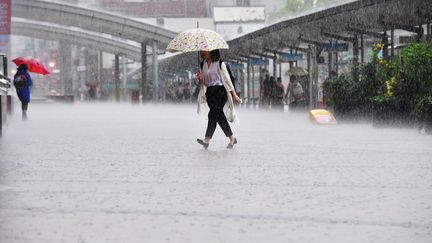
(216, 98)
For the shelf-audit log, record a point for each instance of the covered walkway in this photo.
(325, 34)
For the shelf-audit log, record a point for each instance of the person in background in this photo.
(279, 95)
(22, 83)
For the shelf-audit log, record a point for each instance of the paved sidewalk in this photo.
(105, 173)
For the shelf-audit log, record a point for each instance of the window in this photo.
(243, 2)
(160, 22)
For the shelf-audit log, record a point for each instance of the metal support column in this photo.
(355, 50)
(314, 89)
(336, 61)
(392, 43)
(253, 85)
(261, 79)
(420, 33)
(385, 42)
(362, 51)
(311, 57)
(248, 95)
(155, 72)
(428, 32)
(144, 91)
(275, 65)
(117, 77)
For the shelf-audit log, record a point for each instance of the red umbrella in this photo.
(34, 65)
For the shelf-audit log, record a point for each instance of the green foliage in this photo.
(416, 71)
(351, 95)
(398, 91)
(423, 112)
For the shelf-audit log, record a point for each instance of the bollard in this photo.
(9, 104)
(2, 113)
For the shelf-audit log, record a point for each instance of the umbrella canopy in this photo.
(197, 40)
(297, 71)
(33, 64)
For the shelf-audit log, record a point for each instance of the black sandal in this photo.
(200, 141)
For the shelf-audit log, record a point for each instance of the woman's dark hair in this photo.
(215, 55)
(23, 67)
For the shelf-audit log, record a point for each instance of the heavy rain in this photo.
(215, 121)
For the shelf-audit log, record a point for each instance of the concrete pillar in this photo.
(100, 68)
(124, 81)
(144, 91)
(117, 77)
(65, 66)
(82, 73)
(155, 72)
(275, 65)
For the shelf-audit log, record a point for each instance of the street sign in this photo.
(290, 57)
(233, 65)
(259, 62)
(340, 47)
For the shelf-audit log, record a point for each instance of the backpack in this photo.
(20, 81)
(233, 79)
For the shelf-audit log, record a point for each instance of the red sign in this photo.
(5, 17)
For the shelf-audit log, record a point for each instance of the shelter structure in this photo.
(341, 28)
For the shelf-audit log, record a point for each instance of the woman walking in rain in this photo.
(22, 83)
(219, 95)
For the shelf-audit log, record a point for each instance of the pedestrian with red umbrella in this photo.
(23, 80)
(22, 83)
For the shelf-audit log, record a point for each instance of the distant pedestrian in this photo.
(22, 83)
(266, 92)
(294, 93)
(218, 92)
(278, 95)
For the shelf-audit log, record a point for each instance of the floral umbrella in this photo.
(197, 40)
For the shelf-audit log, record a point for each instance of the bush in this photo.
(393, 92)
(423, 113)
